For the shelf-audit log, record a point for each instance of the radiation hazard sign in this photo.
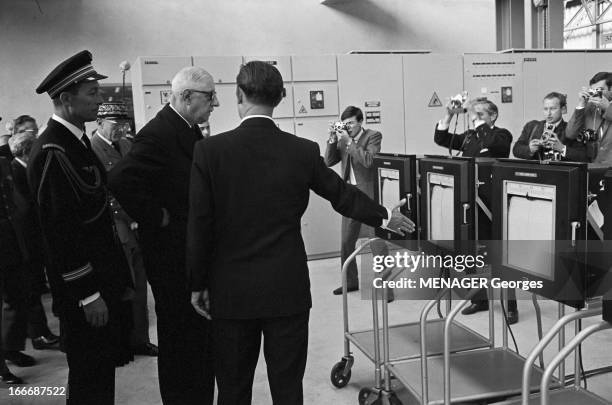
(434, 101)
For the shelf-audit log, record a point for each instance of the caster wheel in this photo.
(337, 377)
(367, 396)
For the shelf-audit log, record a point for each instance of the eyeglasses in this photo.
(30, 131)
(211, 94)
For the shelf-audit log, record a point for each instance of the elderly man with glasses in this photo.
(152, 184)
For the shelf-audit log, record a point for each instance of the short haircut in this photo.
(22, 119)
(561, 97)
(607, 76)
(489, 106)
(352, 111)
(188, 77)
(21, 144)
(261, 83)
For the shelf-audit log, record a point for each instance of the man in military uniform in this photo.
(110, 145)
(86, 267)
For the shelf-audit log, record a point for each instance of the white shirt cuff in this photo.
(564, 151)
(579, 108)
(385, 222)
(89, 300)
(442, 126)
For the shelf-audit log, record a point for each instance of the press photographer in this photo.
(590, 123)
(484, 140)
(546, 139)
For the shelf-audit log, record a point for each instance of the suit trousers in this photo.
(236, 345)
(351, 231)
(91, 354)
(140, 333)
(15, 309)
(184, 361)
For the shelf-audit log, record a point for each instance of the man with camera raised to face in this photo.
(591, 119)
(355, 147)
(546, 139)
(484, 140)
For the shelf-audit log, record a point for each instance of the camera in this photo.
(595, 92)
(588, 135)
(340, 126)
(456, 102)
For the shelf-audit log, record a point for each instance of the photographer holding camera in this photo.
(591, 120)
(546, 139)
(355, 147)
(485, 140)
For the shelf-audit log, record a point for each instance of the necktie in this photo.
(198, 132)
(347, 169)
(116, 146)
(85, 140)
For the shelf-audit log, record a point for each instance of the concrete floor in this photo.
(137, 383)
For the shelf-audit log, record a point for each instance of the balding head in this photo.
(193, 94)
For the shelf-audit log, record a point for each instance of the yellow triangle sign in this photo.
(434, 101)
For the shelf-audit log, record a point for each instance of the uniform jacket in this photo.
(483, 141)
(361, 153)
(109, 157)
(155, 175)
(574, 150)
(246, 203)
(68, 183)
(589, 117)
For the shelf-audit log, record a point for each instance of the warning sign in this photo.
(303, 110)
(434, 101)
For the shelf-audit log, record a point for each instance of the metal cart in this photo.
(428, 379)
(402, 341)
(570, 395)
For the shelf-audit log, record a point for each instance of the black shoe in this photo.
(473, 308)
(10, 378)
(19, 359)
(45, 342)
(146, 349)
(338, 291)
(512, 317)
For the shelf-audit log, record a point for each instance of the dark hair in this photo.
(22, 119)
(261, 82)
(607, 76)
(352, 111)
(561, 97)
(489, 106)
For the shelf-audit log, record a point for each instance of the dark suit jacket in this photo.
(362, 154)
(483, 141)
(588, 117)
(5, 152)
(249, 189)
(574, 151)
(68, 183)
(109, 157)
(10, 252)
(155, 173)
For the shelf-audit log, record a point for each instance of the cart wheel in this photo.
(367, 396)
(337, 377)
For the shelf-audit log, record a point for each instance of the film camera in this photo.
(548, 135)
(587, 135)
(456, 102)
(595, 92)
(340, 126)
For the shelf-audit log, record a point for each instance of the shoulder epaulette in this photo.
(53, 146)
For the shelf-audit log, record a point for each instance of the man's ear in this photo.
(65, 97)
(239, 95)
(564, 110)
